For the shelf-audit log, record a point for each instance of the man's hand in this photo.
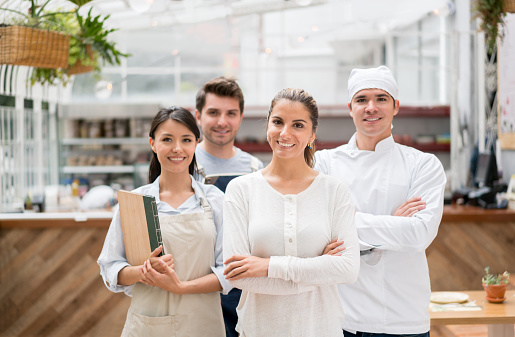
(410, 207)
(242, 266)
(334, 248)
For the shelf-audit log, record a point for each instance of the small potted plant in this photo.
(495, 285)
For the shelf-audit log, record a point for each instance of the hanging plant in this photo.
(491, 13)
(32, 39)
(87, 46)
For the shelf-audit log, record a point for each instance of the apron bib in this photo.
(190, 238)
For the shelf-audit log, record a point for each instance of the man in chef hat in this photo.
(398, 194)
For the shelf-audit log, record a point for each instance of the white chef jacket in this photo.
(393, 290)
(112, 259)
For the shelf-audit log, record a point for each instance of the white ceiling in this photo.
(359, 17)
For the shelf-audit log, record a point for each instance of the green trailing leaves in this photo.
(492, 20)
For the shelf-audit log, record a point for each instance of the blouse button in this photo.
(290, 240)
(290, 213)
(291, 200)
(289, 226)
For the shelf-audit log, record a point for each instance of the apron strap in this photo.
(203, 201)
(200, 169)
(205, 205)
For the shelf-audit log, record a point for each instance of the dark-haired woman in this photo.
(278, 221)
(176, 294)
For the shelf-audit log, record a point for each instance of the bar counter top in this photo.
(102, 218)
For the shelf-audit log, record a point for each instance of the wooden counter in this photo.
(476, 214)
(99, 219)
(102, 219)
(51, 284)
(50, 281)
(469, 239)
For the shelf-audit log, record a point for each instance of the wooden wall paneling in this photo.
(459, 253)
(51, 284)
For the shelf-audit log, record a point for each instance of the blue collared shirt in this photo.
(112, 259)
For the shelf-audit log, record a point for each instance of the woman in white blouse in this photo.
(277, 223)
(176, 294)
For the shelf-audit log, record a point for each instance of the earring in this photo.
(309, 146)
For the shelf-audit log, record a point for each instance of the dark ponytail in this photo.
(182, 116)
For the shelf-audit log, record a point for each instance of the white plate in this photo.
(443, 297)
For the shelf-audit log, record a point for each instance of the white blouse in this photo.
(299, 297)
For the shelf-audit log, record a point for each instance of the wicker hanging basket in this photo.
(509, 6)
(79, 68)
(33, 47)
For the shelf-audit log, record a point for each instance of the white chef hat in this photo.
(372, 78)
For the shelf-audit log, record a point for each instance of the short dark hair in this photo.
(220, 86)
(178, 114)
(303, 97)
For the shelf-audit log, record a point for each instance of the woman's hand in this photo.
(242, 266)
(410, 207)
(154, 259)
(168, 280)
(334, 248)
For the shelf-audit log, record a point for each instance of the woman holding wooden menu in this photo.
(176, 293)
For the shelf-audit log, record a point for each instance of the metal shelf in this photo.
(104, 141)
(98, 169)
(262, 148)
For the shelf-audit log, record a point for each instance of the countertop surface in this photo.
(102, 218)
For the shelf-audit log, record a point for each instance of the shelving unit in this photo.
(115, 151)
(263, 148)
(335, 129)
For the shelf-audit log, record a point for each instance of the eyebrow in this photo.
(170, 135)
(218, 109)
(295, 120)
(365, 96)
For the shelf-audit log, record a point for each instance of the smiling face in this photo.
(174, 145)
(289, 129)
(220, 119)
(372, 111)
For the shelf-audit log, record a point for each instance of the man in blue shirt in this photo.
(219, 113)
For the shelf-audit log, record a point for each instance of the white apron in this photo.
(190, 238)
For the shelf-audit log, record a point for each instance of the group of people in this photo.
(326, 243)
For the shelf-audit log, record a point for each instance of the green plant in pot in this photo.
(495, 285)
(31, 38)
(89, 45)
(491, 13)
